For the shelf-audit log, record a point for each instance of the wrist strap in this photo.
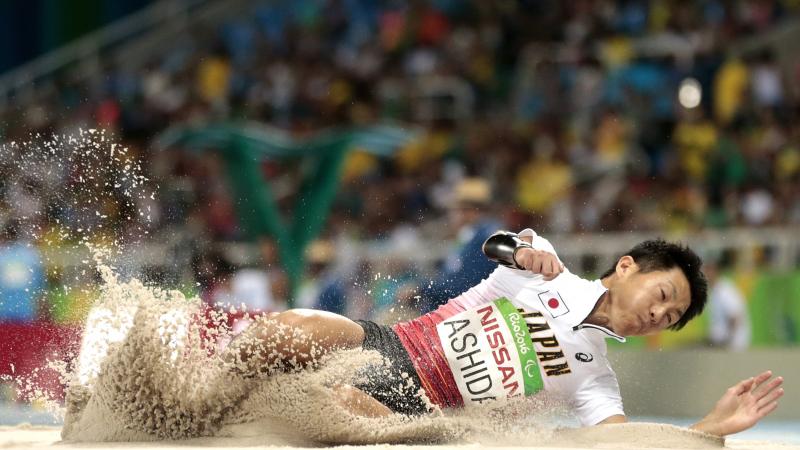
(501, 247)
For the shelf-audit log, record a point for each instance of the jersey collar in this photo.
(577, 319)
(593, 290)
(605, 330)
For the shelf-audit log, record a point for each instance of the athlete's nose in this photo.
(656, 314)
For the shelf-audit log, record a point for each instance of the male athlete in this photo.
(531, 325)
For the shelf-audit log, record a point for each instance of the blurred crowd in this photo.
(580, 116)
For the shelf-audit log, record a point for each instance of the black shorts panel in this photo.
(388, 385)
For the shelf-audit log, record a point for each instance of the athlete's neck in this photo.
(600, 314)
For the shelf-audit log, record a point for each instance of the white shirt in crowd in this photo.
(729, 321)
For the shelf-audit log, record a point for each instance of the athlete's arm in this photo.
(507, 280)
(517, 251)
(539, 261)
(743, 405)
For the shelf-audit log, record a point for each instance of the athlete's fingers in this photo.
(545, 267)
(530, 262)
(523, 258)
(763, 376)
(539, 262)
(759, 379)
(763, 412)
(769, 387)
(773, 383)
(549, 270)
(555, 268)
(742, 386)
(769, 398)
(519, 257)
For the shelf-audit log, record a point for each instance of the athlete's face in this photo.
(644, 303)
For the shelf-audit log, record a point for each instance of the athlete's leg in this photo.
(359, 402)
(298, 338)
(291, 340)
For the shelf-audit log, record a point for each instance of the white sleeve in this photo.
(597, 399)
(538, 242)
(508, 282)
(732, 300)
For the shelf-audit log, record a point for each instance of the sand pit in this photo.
(625, 436)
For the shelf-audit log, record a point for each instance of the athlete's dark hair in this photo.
(659, 254)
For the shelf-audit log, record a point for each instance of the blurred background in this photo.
(352, 155)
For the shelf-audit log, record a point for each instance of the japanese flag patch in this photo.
(553, 303)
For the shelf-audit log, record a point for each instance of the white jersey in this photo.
(493, 335)
(729, 322)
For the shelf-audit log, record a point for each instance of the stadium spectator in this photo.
(729, 321)
(22, 280)
(471, 222)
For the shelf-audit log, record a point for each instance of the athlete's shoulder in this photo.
(568, 297)
(573, 281)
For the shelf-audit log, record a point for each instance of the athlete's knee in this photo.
(329, 329)
(303, 321)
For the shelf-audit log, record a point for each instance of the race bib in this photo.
(490, 353)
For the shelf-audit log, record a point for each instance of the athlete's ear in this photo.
(626, 266)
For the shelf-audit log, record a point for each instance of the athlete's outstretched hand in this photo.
(539, 261)
(743, 405)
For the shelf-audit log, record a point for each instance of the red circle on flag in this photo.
(553, 303)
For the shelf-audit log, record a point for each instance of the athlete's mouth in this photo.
(642, 324)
